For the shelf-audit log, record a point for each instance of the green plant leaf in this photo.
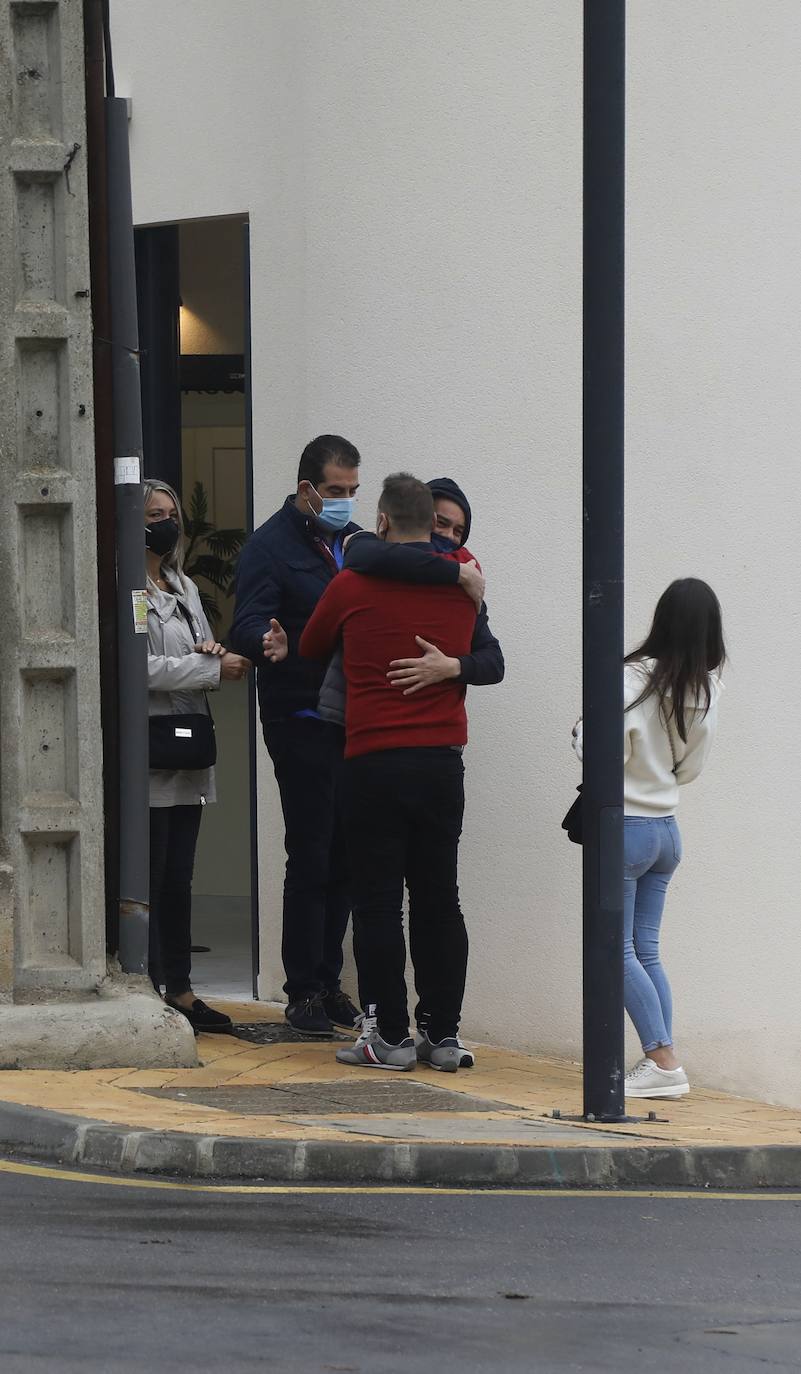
(210, 607)
(225, 543)
(197, 529)
(198, 503)
(210, 554)
(214, 570)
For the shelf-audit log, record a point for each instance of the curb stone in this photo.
(48, 1137)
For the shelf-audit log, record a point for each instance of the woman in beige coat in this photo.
(184, 662)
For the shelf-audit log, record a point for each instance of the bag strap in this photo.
(672, 746)
(187, 615)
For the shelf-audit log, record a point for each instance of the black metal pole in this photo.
(602, 803)
(104, 456)
(158, 302)
(131, 579)
(253, 731)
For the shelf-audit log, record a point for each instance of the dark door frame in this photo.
(164, 374)
(252, 703)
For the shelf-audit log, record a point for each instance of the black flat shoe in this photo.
(340, 1010)
(203, 1018)
(308, 1016)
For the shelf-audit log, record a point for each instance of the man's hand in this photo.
(411, 674)
(472, 581)
(275, 643)
(234, 667)
(210, 646)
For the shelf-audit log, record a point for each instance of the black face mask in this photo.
(161, 537)
(443, 544)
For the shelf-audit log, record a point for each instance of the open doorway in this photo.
(192, 286)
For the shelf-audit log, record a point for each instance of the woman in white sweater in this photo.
(671, 686)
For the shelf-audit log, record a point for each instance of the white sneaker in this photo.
(646, 1079)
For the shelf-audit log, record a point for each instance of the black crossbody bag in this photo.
(185, 741)
(573, 822)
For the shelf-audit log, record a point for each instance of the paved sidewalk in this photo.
(265, 1104)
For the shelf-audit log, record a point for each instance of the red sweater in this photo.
(378, 621)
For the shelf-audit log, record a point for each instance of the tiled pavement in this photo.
(306, 1096)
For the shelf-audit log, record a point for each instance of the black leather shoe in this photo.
(204, 1019)
(309, 1016)
(339, 1009)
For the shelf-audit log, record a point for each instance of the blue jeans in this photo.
(651, 854)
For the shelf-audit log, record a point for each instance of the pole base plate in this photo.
(608, 1120)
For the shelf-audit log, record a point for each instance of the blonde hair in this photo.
(175, 559)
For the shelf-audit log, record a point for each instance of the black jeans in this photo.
(307, 757)
(403, 812)
(173, 839)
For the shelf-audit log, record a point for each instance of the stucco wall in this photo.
(413, 178)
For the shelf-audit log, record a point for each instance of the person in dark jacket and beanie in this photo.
(452, 512)
(482, 666)
(283, 571)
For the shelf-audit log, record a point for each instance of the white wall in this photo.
(412, 174)
(714, 488)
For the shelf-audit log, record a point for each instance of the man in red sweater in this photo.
(403, 786)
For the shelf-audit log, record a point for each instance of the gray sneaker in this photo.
(467, 1058)
(371, 1052)
(446, 1055)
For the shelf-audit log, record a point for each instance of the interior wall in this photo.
(213, 453)
(212, 295)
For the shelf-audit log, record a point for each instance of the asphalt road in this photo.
(95, 1277)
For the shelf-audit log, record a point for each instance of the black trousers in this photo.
(403, 812)
(173, 840)
(307, 758)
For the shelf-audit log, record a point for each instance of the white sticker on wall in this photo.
(139, 600)
(126, 470)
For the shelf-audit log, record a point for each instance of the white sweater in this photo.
(650, 782)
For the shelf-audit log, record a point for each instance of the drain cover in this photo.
(281, 1033)
(321, 1099)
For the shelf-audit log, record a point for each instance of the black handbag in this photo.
(573, 822)
(183, 741)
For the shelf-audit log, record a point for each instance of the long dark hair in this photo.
(686, 643)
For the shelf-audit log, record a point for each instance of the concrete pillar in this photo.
(52, 919)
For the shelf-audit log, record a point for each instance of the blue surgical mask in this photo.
(337, 511)
(442, 544)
